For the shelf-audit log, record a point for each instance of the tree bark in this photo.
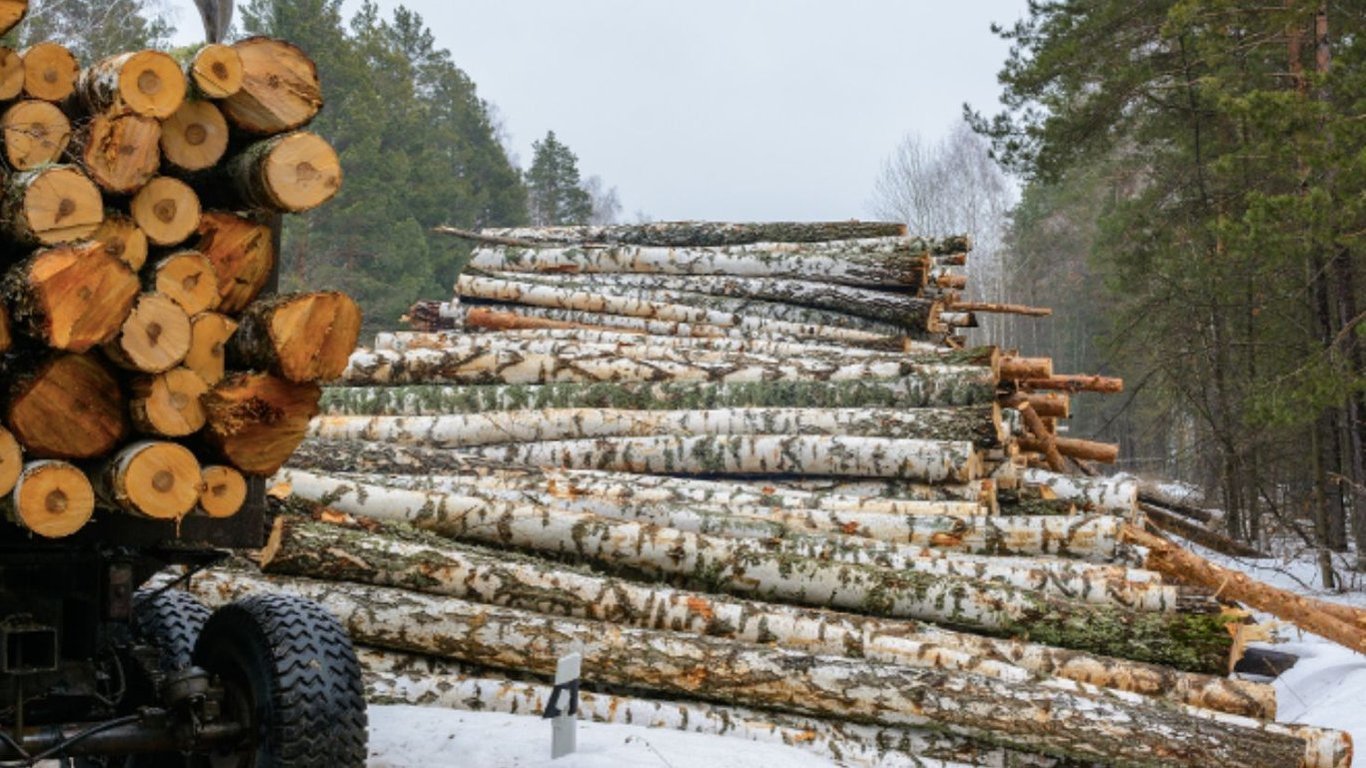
(301, 337)
(980, 425)
(1118, 495)
(167, 404)
(280, 89)
(890, 262)
(166, 210)
(69, 297)
(51, 499)
(1188, 642)
(148, 83)
(50, 205)
(215, 71)
(67, 406)
(291, 173)
(707, 233)
(152, 479)
(255, 420)
(1079, 725)
(195, 138)
(242, 254)
(207, 356)
(50, 72)
(154, 338)
(36, 133)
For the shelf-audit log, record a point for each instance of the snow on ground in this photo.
(402, 736)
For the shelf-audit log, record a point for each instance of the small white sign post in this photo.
(563, 708)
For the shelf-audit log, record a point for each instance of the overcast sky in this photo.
(726, 109)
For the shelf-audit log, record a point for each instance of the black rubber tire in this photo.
(172, 621)
(290, 669)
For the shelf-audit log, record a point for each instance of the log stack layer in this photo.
(143, 371)
(755, 474)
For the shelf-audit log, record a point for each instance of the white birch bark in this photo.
(1118, 495)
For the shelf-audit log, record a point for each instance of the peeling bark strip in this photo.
(1079, 725)
(1188, 642)
(709, 233)
(921, 460)
(870, 262)
(900, 309)
(980, 425)
(431, 366)
(637, 305)
(393, 677)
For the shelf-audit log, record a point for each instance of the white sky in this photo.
(716, 109)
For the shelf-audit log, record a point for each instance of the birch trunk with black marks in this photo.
(708, 233)
(1080, 725)
(1196, 643)
(1118, 495)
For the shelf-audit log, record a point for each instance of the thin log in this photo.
(1001, 309)
(1075, 383)
(51, 499)
(1014, 367)
(225, 491)
(701, 233)
(1105, 453)
(1169, 523)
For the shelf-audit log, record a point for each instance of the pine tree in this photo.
(554, 191)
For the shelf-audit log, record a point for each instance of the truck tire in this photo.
(171, 621)
(291, 674)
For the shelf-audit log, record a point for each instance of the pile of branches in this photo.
(752, 474)
(142, 371)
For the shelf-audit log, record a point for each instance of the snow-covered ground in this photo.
(1327, 688)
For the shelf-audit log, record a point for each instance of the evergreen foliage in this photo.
(555, 193)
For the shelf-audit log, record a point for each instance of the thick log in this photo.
(11, 63)
(49, 205)
(280, 90)
(299, 337)
(153, 339)
(980, 425)
(120, 151)
(291, 173)
(215, 71)
(1189, 642)
(1341, 624)
(836, 456)
(152, 479)
(255, 420)
(195, 137)
(11, 461)
(167, 404)
(69, 297)
(51, 499)
(35, 132)
(431, 366)
(68, 406)
(636, 305)
(1165, 521)
(1118, 495)
(207, 356)
(187, 278)
(1075, 383)
(1079, 724)
(166, 210)
(440, 566)
(891, 262)
(700, 233)
(242, 254)
(148, 83)
(120, 237)
(225, 491)
(50, 72)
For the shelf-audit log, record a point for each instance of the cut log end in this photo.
(11, 71)
(188, 279)
(120, 150)
(291, 173)
(50, 72)
(119, 236)
(280, 88)
(153, 479)
(166, 210)
(11, 461)
(71, 297)
(302, 337)
(195, 137)
(242, 255)
(256, 420)
(52, 499)
(168, 404)
(225, 491)
(209, 334)
(35, 134)
(69, 407)
(216, 71)
(55, 204)
(149, 83)
(155, 338)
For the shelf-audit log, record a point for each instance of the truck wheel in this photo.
(171, 621)
(292, 677)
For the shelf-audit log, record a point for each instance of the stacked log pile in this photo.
(143, 371)
(755, 476)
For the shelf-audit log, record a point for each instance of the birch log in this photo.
(1117, 494)
(1187, 642)
(708, 233)
(416, 561)
(869, 262)
(634, 305)
(981, 425)
(1080, 725)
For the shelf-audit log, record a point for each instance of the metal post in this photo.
(563, 717)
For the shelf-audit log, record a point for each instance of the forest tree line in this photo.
(419, 147)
